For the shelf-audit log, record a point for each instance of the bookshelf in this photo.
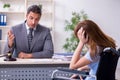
(17, 12)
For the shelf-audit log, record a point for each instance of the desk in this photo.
(30, 69)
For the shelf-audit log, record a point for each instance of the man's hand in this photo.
(24, 55)
(10, 38)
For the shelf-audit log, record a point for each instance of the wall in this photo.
(105, 13)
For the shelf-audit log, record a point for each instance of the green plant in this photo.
(40, 5)
(72, 42)
(6, 5)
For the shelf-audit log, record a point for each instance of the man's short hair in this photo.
(35, 9)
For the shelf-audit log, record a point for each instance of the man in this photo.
(24, 43)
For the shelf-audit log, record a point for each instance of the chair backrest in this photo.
(107, 66)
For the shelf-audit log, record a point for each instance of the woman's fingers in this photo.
(82, 35)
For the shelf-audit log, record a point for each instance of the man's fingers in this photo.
(10, 32)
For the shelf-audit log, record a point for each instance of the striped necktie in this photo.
(30, 37)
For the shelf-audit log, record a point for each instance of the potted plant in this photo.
(6, 6)
(40, 5)
(72, 42)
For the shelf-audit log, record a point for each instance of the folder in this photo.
(0, 34)
(2, 19)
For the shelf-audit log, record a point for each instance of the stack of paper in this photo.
(63, 56)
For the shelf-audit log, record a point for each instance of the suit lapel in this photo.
(24, 35)
(36, 37)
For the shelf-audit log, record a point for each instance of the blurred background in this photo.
(105, 13)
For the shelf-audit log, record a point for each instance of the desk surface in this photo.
(34, 61)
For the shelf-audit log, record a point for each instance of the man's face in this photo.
(32, 19)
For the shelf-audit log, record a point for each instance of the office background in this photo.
(105, 13)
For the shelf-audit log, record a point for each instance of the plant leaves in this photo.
(72, 42)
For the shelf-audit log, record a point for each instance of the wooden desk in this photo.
(30, 69)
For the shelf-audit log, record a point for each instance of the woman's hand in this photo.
(81, 35)
(75, 76)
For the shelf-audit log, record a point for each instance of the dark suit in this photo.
(41, 47)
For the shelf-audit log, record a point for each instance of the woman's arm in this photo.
(83, 68)
(76, 61)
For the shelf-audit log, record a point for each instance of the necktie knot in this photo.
(31, 30)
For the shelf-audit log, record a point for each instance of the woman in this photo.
(92, 36)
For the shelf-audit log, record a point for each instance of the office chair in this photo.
(106, 68)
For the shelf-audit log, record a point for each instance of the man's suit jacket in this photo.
(41, 47)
